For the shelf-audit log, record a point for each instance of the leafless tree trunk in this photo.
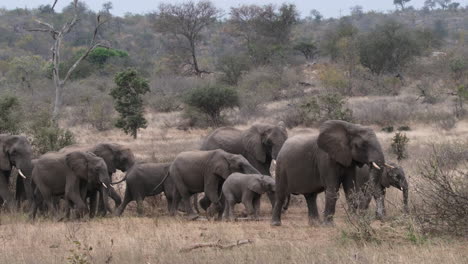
(58, 35)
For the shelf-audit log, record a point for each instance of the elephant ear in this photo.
(107, 152)
(256, 186)
(78, 163)
(252, 142)
(4, 158)
(333, 139)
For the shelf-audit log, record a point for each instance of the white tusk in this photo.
(274, 162)
(21, 173)
(103, 184)
(375, 165)
(390, 166)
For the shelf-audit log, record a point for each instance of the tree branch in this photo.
(217, 244)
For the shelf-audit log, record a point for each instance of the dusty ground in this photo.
(158, 238)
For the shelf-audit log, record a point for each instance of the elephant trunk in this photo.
(404, 189)
(25, 169)
(105, 189)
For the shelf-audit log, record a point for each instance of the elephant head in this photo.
(226, 163)
(394, 175)
(354, 145)
(262, 184)
(93, 169)
(264, 141)
(117, 157)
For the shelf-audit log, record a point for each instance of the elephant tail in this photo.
(117, 182)
(162, 182)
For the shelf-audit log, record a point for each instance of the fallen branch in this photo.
(217, 244)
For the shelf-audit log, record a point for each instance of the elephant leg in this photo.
(195, 203)
(4, 191)
(247, 200)
(277, 209)
(350, 193)
(272, 198)
(205, 203)
(379, 197)
(174, 204)
(229, 209)
(73, 194)
(331, 196)
(93, 201)
(101, 206)
(127, 199)
(286, 203)
(115, 196)
(256, 206)
(139, 201)
(311, 199)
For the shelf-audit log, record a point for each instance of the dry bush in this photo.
(443, 190)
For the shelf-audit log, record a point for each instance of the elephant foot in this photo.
(275, 223)
(193, 217)
(314, 222)
(328, 223)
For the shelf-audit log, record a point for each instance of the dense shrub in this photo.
(46, 135)
(443, 190)
(10, 115)
(211, 100)
(399, 146)
(232, 67)
(316, 109)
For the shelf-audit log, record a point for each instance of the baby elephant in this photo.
(142, 179)
(246, 188)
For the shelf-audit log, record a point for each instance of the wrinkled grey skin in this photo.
(117, 157)
(15, 151)
(142, 179)
(204, 171)
(69, 175)
(309, 165)
(248, 189)
(260, 145)
(390, 177)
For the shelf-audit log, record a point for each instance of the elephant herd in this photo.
(232, 166)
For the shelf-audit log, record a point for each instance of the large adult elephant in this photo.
(116, 157)
(15, 151)
(309, 165)
(260, 145)
(392, 175)
(204, 171)
(69, 175)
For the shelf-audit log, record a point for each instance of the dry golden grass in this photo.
(158, 238)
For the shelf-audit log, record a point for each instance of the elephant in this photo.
(117, 157)
(204, 171)
(15, 151)
(69, 175)
(309, 165)
(392, 175)
(260, 145)
(144, 179)
(248, 189)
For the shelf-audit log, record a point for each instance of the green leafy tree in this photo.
(128, 102)
(399, 145)
(330, 44)
(10, 115)
(308, 49)
(233, 67)
(388, 48)
(211, 100)
(26, 70)
(401, 3)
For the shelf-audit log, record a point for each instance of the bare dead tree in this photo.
(187, 21)
(58, 34)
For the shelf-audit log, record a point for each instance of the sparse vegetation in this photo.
(400, 145)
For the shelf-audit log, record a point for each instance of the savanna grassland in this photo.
(158, 238)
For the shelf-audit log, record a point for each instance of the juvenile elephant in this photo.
(260, 145)
(309, 165)
(204, 171)
(392, 175)
(117, 157)
(15, 151)
(144, 180)
(69, 175)
(248, 189)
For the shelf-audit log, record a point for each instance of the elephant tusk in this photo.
(103, 184)
(390, 166)
(274, 162)
(375, 165)
(21, 173)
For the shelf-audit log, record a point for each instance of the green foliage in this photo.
(10, 115)
(330, 43)
(458, 66)
(232, 67)
(100, 56)
(211, 100)
(308, 49)
(399, 145)
(333, 78)
(80, 254)
(47, 135)
(401, 3)
(317, 109)
(388, 48)
(128, 102)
